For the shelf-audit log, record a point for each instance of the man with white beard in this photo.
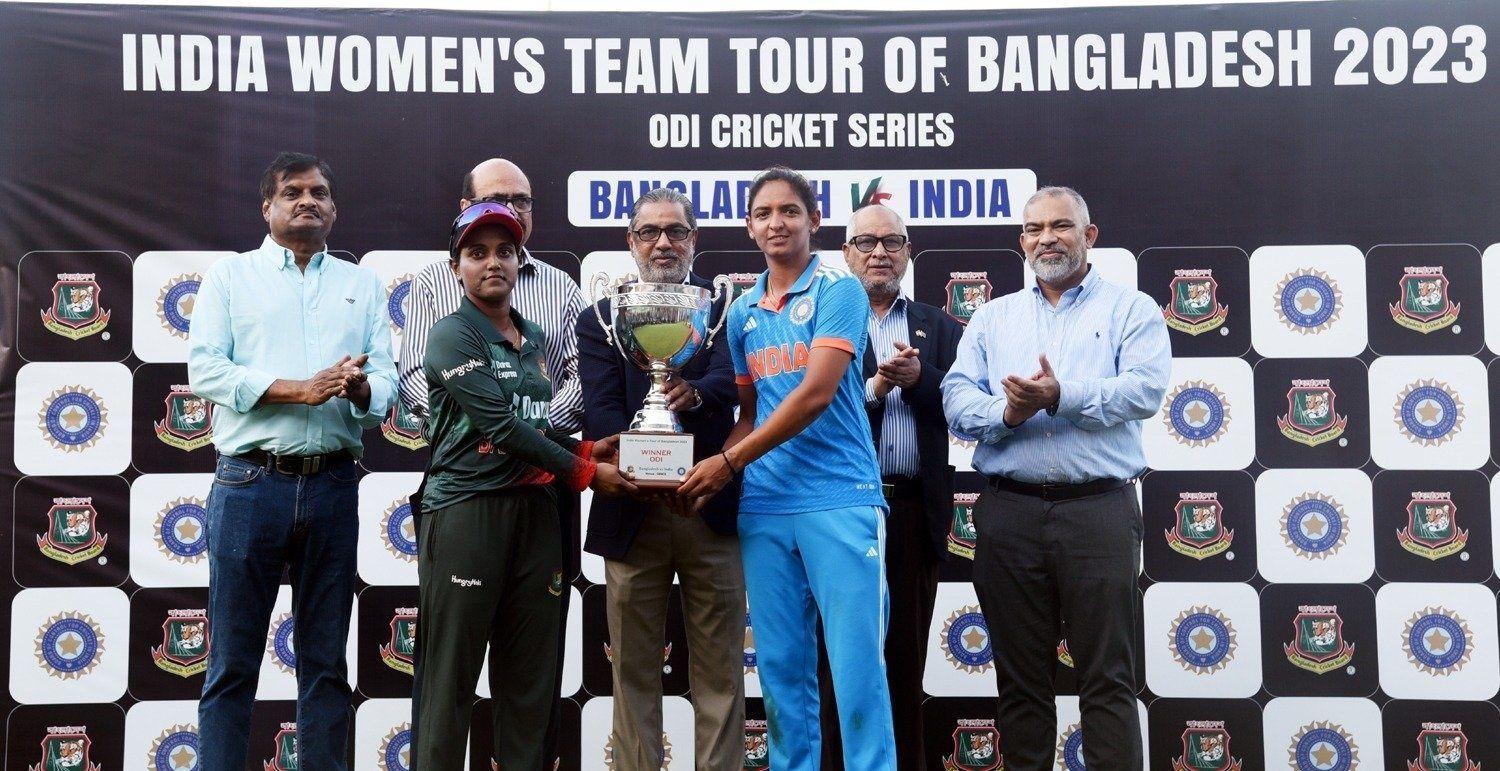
(1054, 381)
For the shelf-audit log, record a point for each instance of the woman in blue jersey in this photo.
(812, 518)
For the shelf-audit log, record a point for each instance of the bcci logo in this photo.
(398, 530)
(976, 747)
(285, 757)
(173, 749)
(1437, 641)
(66, 748)
(1310, 417)
(1199, 532)
(749, 661)
(189, 422)
(396, 294)
(1308, 301)
(402, 428)
(1318, 644)
(75, 312)
(1314, 526)
(181, 531)
(1424, 304)
(1429, 413)
(1442, 747)
(72, 531)
(1194, 307)
(401, 652)
(965, 640)
(666, 752)
(69, 645)
(1432, 529)
(72, 418)
(962, 538)
(1197, 414)
(1202, 640)
(1070, 749)
(802, 310)
(1323, 745)
(1205, 745)
(757, 746)
(395, 749)
(184, 643)
(174, 304)
(280, 645)
(966, 291)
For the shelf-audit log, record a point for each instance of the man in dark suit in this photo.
(911, 347)
(644, 543)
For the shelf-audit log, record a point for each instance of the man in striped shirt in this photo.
(543, 295)
(1054, 381)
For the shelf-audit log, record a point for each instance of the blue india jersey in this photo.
(831, 463)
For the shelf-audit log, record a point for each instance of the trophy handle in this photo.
(723, 287)
(595, 282)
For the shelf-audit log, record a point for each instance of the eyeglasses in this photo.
(867, 243)
(520, 203)
(651, 233)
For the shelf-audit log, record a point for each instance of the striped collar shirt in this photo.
(896, 447)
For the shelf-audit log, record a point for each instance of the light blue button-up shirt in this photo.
(259, 319)
(1108, 348)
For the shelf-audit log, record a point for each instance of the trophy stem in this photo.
(654, 415)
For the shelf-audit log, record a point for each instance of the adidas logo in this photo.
(749, 325)
(872, 552)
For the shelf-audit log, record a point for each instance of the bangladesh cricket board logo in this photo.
(76, 311)
(966, 292)
(189, 422)
(401, 651)
(398, 530)
(976, 747)
(184, 643)
(69, 645)
(1432, 529)
(757, 745)
(1428, 412)
(1323, 745)
(181, 529)
(72, 531)
(1194, 307)
(962, 538)
(1437, 641)
(1424, 305)
(1205, 745)
(174, 304)
(965, 640)
(1442, 747)
(741, 283)
(1308, 301)
(1310, 417)
(66, 748)
(174, 749)
(395, 749)
(403, 428)
(1318, 644)
(396, 295)
(284, 757)
(1064, 656)
(1202, 640)
(1196, 413)
(73, 418)
(1199, 531)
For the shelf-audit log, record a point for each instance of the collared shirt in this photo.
(831, 463)
(259, 319)
(1107, 346)
(543, 294)
(897, 444)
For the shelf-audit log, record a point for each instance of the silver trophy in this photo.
(659, 327)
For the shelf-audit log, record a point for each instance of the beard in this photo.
(651, 273)
(1053, 269)
(888, 288)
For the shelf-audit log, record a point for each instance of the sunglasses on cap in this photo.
(483, 213)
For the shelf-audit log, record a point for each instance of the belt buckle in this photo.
(888, 490)
(1049, 489)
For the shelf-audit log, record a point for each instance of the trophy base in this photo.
(657, 460)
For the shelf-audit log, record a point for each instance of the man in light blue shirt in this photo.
(292, 344)
(1054, 381)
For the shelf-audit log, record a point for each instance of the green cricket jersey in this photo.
(488, 428)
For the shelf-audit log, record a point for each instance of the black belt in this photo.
(295, 465)
(901, 486)
(1057, 492)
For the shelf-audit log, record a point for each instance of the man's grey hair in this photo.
(849, 233)
(664, 195)
(1079, 205)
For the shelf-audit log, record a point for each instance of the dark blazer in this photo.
(613, 389)
(936, 335)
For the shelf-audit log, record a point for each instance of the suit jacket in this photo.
(936, 334)
(613, 389)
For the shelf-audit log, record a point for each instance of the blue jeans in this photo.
(258, 522)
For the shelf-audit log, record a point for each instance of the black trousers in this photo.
(1037, 564)
(911, 576)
